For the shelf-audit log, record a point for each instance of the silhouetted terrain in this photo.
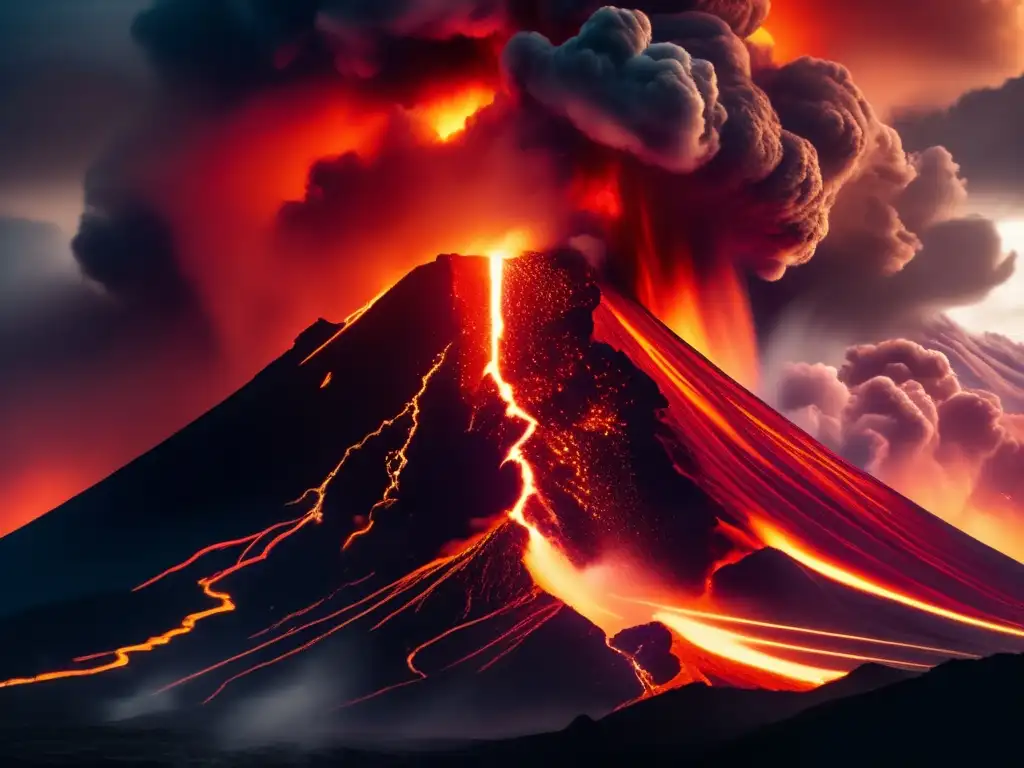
(962, 712)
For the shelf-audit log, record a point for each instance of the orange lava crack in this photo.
(225, 604)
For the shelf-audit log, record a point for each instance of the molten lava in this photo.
(797, 497)
(586, 593)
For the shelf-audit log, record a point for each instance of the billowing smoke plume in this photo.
(900, 250)
(899, 410)
(654, 101)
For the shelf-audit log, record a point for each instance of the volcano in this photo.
(499, 495)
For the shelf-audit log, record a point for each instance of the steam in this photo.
(297, 712)
(142, 704)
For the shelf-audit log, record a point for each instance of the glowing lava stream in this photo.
(554, 573)
(743, 441)
(121, 656)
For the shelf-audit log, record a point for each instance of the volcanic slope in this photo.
(375, 480)
(258, 517)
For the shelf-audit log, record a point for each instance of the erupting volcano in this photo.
(671, 548)
(532, 469)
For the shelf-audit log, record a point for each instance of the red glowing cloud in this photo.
(903, 52)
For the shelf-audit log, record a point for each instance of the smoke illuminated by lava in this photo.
(448, 115)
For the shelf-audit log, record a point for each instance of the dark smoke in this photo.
(654, 101)
(221, 50)
(758, 185)
(900, 250)
(982, 130)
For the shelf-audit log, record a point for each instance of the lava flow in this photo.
(554, 572)
(791, 494)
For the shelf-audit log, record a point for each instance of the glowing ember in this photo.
(762, 38)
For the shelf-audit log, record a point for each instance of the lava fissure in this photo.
(224, 602)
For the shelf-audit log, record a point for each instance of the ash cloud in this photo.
(901, 361)
(438, 19)
(284, 151)
(898, 410)
(901, 249)
(756, 175)
(652, 100)
(982, 129)
(217, 51)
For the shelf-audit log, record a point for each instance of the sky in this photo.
(70, 76)
(1002, 311)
